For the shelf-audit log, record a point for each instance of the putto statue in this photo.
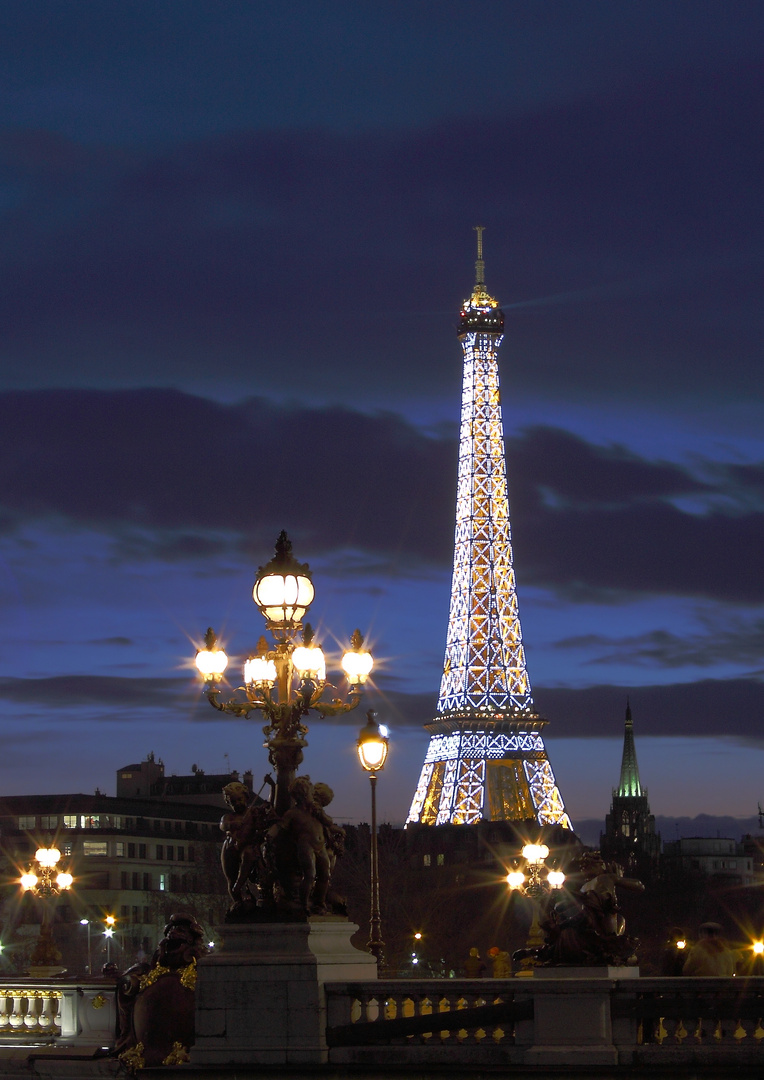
(587, 929)
(155, 1001)
(279, 866)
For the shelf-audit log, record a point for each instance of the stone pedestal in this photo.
(571, 1015)
(260, 998)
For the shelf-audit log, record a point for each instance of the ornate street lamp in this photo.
(283, 591)
(373, 745)
(45, 882)
(530, 881)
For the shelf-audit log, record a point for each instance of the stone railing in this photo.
(74, 1013)
(548, 1020)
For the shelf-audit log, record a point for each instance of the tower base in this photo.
(260, 998)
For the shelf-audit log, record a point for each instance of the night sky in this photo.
(235, 241)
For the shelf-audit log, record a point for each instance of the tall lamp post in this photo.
(109, 921)
(86, 922)
(42, 880)
(373, 745)
(283, 591)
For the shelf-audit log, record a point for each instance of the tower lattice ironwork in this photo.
(486, 758)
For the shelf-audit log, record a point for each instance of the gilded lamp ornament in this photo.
(287, 682)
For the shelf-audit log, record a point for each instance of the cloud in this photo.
(326, 263)
(181, 479)
(739, 643)
(721, 708)
(88, 691)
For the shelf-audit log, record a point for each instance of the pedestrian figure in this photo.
(711, 954)
(474, 968)
(502, 964)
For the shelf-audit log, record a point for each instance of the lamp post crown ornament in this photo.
(278, 854)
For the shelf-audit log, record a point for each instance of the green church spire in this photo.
(629, 784)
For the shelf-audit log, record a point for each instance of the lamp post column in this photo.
(376, 944)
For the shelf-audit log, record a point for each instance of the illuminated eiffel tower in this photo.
(486, 758)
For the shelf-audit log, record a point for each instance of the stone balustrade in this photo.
(548, 1020)
(73, 1013)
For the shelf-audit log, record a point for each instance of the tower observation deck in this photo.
(486, 758)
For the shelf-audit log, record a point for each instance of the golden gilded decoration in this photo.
(188, 978)
(151, 977)
(98, 1001)
(179, 1055)
(133, 1058)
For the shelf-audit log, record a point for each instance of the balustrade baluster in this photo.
(17, 1016)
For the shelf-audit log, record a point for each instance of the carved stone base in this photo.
(260, 998)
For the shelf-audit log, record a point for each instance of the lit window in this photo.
(95, 847)
(90, 821)
(162, 882)
(67, 847)
(426, 860)
(119, 849)
(441, 859)
(27, 822)
(127, 776)
(71, 821)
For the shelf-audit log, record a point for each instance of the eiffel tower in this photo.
(486, 758)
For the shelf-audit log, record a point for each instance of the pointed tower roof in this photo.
(629, 784)
(480, 312)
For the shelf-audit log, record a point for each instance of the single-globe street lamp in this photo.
(108, 933)
(373, 745)
(283, 591)
(86, 922)
(44, 881)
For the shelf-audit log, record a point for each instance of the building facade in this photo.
(135, 859)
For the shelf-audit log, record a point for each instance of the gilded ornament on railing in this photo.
(98, 1001)
(179, 1055)
(133, 1058)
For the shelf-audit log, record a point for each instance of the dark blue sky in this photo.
(235, 241)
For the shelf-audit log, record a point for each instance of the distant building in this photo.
(148, 780)
(721, 858)
(151, 850)
(630, 837)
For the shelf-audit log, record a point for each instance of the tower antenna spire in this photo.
(479, 264)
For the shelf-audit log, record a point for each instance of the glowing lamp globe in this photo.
(47, 856)
(309, 662)
(259, 671)
(373, 745)
(28, 881)
(556, 879)
(515, 879)
(535, 853)
(64, 881)
(211, 661)
(758, 947)
(357, 662)
(283, 590)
